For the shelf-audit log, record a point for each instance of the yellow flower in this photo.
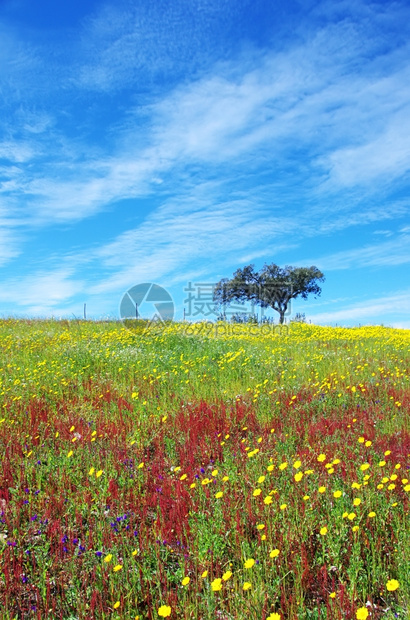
(192, 486)
(355, 528)
(268, 500)
(270, 467)
(249, 563)
(227, 575)
(116, 605)
(368, 444)
(225, 479)
(306, 497)
(135, 552)
(361, 440)
(337, 494)
(214, 473)
(387, 453)
(322, 489)
(382, 463)
(99, 473)
(204, 574)
(216, 585)
(183, 477)
(357, 501)
(283, 466)
(298, 476)
(372, 514)
(297, 464)
(323, 531)
(90, 473)
(117, 568)
(332, 595)
(351, 516)
(392, 585)
(246, 586)
(321, 458)
(261, 479)
(273, 617)
(362, 613)
(257, 492)
(283, 506)
(391, 487)
(274, 553)
(164, 611)
(364, 466)
(219, 494)
(261, 526)
(185, 581)
(70, 453)
(108, 558)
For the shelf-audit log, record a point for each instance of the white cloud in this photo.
(171, 240)
(41, 289)
(384, 307)
(240, 115)
(387, 155)
(392, 253)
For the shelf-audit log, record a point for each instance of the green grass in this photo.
(165, 449)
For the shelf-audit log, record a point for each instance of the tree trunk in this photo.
(281, 316)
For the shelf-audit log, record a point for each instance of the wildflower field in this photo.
(204, 472)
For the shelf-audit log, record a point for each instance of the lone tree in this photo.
(272, 287)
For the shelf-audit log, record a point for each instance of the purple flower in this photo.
(24, 579)
(34, 518)
(75, 541)
(98, 554)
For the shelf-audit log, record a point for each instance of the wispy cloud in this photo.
(41, 289)
(385, 307)
(389, 253)
(243, 112)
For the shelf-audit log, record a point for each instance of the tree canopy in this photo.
(272, 286)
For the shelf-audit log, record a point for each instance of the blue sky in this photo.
(173, 142)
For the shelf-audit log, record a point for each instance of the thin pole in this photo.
(85, 312)
(136, 311)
